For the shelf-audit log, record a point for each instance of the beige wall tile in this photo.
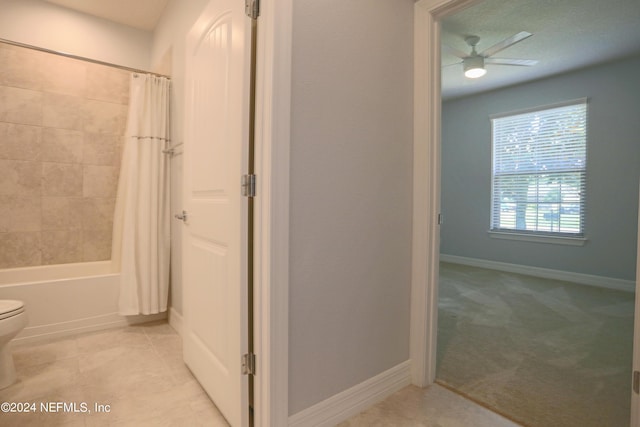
(21, 178)
(62, 145)
(61, 179)
(65, 75)
(20, 142)
(20, 249)
(19, 213)
(101, 149)
(62, 111)
(96, 245)
(97, 213)
(20, 68)
(20, 106)
(105, 117)
(107, 84)
(100, 181)
(62, 213)
(61, 246)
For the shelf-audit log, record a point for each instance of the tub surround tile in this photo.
(64, 75)
(96, 245)
(20, 249)
(62, 213)
(20, 142)
(62, 145)
(101, 149)
(20, 178)
(107, 84)
(97, 213)
(61, 246)
(100, 181)
(105, 117)
(21, 68)
(61, 127)
(61, 179)
(20, 214)
(62, 111)
(21, 106)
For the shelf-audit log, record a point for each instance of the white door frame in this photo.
(271, 238)
(426, 185)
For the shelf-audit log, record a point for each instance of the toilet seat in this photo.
(10, 308)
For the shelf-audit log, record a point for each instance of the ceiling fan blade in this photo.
(453, 51)
(508, 61)
(506, 43)
(451, 65)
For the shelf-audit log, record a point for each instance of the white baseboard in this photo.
(547, 273)
(78, 326)
(175, 320)
(351, 402)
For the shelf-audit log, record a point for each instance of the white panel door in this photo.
(215, 149)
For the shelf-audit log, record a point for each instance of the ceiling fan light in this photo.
(474, 67)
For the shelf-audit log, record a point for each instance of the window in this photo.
(539, 171)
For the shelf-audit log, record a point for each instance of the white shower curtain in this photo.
(141, 219)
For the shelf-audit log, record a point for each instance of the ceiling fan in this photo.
(474, 63)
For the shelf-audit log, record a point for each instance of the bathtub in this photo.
(67, 299)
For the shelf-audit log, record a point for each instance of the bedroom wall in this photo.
(613, 171)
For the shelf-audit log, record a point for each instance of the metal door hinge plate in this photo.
(248, 364)
(249, 185)
(636, 382)
(252, 8)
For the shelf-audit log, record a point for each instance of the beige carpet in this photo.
(544, 353)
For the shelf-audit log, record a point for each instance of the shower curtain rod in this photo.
(82, 58)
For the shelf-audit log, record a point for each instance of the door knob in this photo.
(182, 217)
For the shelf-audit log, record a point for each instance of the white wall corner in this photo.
(350, 402)
(175, 320)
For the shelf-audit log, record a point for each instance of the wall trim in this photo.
(350, 402)
(79, 326)
(271, 239)
(547, 273)
(175, 320)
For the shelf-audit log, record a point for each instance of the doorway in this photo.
(431, 13)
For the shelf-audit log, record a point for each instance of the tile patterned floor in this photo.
(137, 371)
(434, 406)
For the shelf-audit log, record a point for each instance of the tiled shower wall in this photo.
(61, 127)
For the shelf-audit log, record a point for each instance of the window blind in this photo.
(539, 170)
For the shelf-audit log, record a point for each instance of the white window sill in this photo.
(555, 240)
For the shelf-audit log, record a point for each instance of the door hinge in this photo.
(439, 219)
(252, 8)
(249, 185)
(636, 382)
(248, 364)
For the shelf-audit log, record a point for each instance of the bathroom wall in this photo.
(61, 127)
(44, 24)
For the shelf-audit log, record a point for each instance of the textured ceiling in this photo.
(567, 34)
(142, 14)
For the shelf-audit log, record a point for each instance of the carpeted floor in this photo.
(545, 353)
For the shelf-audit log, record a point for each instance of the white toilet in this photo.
(13, 319)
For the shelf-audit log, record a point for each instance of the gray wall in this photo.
(613, 170)
(351, 171)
